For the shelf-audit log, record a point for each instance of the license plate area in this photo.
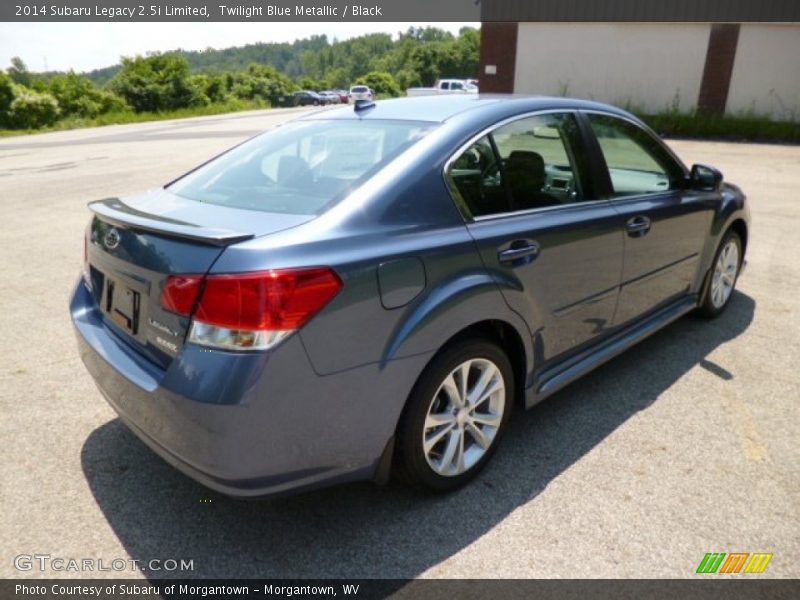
(122, 305)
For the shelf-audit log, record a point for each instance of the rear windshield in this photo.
(358, 89)
(301, 168)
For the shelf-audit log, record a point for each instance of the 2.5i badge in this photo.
(171, 346)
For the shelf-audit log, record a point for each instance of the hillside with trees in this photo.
(252, 76)
(341, 62)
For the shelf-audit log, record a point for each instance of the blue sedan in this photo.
(371, 290)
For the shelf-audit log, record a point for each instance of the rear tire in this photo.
(455, 416)
(723, 276)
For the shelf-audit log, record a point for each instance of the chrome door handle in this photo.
(638, 226)
(518, 250)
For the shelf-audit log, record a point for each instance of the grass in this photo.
(739, 128)
(119, 118)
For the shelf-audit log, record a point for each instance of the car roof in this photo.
(440, 108)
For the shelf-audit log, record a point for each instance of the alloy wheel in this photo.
(725, 272)
(464, 417)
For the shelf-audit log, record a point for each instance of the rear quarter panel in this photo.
(405, 212)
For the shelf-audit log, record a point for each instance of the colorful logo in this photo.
(737, 562)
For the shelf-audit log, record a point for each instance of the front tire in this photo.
(455, 416)
(725, 272)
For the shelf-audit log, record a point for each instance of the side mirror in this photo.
(705, 178)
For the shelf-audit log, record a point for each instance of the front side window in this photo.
(637, 164)
(527, 164)
(300, 168)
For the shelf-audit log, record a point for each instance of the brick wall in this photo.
(498, 50)
(721, 55)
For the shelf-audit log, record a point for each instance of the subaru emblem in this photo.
(111, 240)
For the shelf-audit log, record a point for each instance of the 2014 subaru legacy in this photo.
(371, 289)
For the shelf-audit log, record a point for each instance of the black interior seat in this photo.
(526, 179)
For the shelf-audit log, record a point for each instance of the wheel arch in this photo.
(497, 331)
(508, 339)
(740, 227)
(505, 336)
(737, 225)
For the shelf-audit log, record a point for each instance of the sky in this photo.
(87, 46)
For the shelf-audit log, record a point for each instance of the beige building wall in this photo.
(644, 66)
(766, 73)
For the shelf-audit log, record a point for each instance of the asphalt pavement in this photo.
(685, 445)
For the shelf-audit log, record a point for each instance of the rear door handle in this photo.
(638, 226)
(519, 249)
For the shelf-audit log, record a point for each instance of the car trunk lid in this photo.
(135, 244)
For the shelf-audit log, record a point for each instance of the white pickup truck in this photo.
(445, 86)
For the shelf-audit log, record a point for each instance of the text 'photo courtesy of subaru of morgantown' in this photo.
(372, 290)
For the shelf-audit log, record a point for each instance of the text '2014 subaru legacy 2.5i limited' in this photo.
(371, 289)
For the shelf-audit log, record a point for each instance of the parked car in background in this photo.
(284, 100)
(291, 315)
(329, 97)
(344, 96)
(444, 86)
(308, 98)
(361, 92)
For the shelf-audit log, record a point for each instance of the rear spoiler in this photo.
(118, 213)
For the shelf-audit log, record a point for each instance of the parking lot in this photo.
(685, 445)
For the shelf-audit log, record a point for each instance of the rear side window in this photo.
(637, 164)
(527, 164)
(476, 180)
(300, 168)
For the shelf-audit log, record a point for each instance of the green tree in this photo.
(6, 95)
(77, 95)
(383, 83)
(213, 87)
(407, 78)
(18, 71)
(429, 34)
(425, 60)
(428, 51)
(262, 82)
(309, 83)
(31, 110)
(461, 56)
(157, 82)
(336, 78)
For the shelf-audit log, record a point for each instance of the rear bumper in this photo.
(248, 425)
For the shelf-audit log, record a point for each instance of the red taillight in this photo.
(180, 293)
(270, 300)
(280, 300)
